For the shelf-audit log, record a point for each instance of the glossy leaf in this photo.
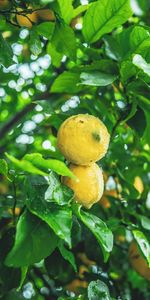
(143, 244)
(98, 290)
(80, 9)
(66, 82)
(6, 53)
(134, 39)
(139, 62)
(55, 55)
(35, 43)
(64, 40)
(102, 233)
(34, 241)
(45, 29)
(66, 10)
(145, 222)
(57, 192)
(59, 218)
(48, 164)
(103, 16)
(25, 165)
(97, 78)
(67, 255)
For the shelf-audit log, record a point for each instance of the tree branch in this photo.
(16, 119)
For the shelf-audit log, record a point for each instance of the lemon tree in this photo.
(74, 112)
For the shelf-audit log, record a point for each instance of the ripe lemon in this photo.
(83, 139)
(46, 15)
(104, 202)
(138, 262)
(138, 184)
(26, 21)
(17, 211)
(4, 4)
(89, 187)
(76, 285)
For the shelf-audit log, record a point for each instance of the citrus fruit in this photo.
(17, 211)
(138, 262)
(83, 139)
(4, 4)
(138, 184)
(89, 186)
(27, 20)
(105, 202)
(46, 14)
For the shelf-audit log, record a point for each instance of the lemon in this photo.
(83, 139)
(4, 4)
(26, 20)
(138, 184)
(46, 15)
(138, 262)
(89, 186)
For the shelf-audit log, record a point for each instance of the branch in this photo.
(14, 120)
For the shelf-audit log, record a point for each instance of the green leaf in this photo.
(6, 53)
(140, 7)
(58, 193)
(139, 40)
(66, 10)
(59, 218)
(64, 40)
(102, 233)
(25, 165)
(34, 241)
(35, 43)
(67, 255)
(127, 70)
(98, 290)
(140, 62)
(145, 222)
(96, 78)
(24, 271)
(3, 167)
(112, 47)
(140, 88)
(49, 164)
(56, 57)
(58, 268)
(45, 29)
(103, 16)
(143, 244)
(138, 122)
(80, 9)
(122, 46)
(67, 83)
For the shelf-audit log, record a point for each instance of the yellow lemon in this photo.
(138, 184)
(76, 285)
(138, 262)
(83, 139)
(89, 187)
(27, 20)
(17, 211)
(46, 15)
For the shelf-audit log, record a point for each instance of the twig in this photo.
(15, 201)
(14, 120)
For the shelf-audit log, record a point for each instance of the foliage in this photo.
(94, 59)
